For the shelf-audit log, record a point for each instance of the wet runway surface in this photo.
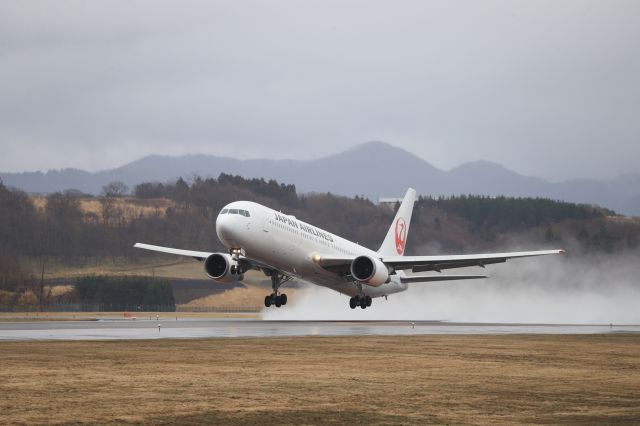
(220, 328)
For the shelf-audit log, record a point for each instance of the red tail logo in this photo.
(401, 235)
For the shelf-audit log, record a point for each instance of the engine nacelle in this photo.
(369, 270)
(222, 268)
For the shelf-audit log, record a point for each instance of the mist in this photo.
(594, 289)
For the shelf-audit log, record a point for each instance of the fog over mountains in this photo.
(373, 169)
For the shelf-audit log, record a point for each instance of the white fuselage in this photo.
(289, 245)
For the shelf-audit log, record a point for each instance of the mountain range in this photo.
(373, 170)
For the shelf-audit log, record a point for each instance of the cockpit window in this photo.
(244, 213)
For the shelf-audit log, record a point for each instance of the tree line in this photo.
(115, 292)
(61, 231)
(484, 212)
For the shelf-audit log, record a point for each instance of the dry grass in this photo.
(131, 207)
(358, 380)
(58, 290)
(634, 220)
(250, 297)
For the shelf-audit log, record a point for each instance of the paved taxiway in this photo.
(217, 328)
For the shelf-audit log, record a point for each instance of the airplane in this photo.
(285, 248)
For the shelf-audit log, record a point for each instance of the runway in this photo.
(168, 327)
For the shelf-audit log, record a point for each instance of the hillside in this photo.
(65, 236)
(372, 169)
(77, 230)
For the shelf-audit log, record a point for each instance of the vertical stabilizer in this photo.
(396, 239)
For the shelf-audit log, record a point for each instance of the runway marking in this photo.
(228, 328)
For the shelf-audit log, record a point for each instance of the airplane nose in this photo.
(224, 230)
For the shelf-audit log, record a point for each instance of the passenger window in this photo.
(224, 211)
(233, 211)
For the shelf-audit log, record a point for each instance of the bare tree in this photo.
(115, 189)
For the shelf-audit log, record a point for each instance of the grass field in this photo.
(318, 380)
(250, 296)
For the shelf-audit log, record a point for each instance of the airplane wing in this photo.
(333, 263)
(430, 263)
(199, 255)
(246, 262)
(438, 263)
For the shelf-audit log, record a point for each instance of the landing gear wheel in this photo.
(277, 279)
(369, 300)
(352, 303)
(363, 303)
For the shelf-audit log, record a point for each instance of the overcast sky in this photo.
(547, 88)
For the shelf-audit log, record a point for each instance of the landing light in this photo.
(316, 258)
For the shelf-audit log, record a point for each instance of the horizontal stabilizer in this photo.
(435, 278)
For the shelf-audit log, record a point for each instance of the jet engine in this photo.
(369, 270)
(222, 268)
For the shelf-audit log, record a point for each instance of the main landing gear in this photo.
(362, 301)
(277, 279)
(277, 300)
